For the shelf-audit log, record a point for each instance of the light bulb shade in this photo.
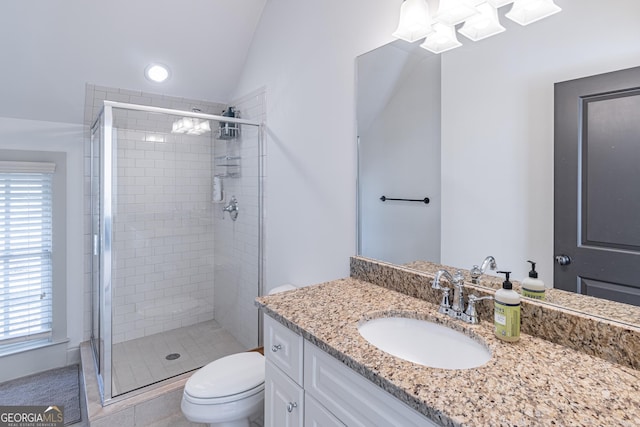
(499, 3)
(415, 21)
(201, 126)
(453, 12)
(525, 12)
(191, 126)
(442, 39)
(482, 25)
(181, 125)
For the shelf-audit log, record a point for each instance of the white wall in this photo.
(304, 54)
(497, 128)
(17, 134)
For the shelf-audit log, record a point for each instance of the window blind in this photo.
(25, 252)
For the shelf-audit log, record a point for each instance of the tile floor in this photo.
(178, 420)
(142, 361)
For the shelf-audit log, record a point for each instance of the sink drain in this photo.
(172, 356)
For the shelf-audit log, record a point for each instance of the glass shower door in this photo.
(96, 138)
(156, 265)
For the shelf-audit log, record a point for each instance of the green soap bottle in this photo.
(532, 287)
(507, 311)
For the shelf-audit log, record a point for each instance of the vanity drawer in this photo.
(283, 348)
(354, 400)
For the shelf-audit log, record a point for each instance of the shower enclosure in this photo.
(176, 242)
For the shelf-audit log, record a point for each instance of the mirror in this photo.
(398, 118)
(495, 128)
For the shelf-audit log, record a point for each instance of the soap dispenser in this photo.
(532, 287)
(507, 311)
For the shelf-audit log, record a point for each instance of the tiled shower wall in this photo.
(162, 234)
(237, 242)
(166, 283)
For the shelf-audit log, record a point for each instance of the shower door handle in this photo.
(95, 244)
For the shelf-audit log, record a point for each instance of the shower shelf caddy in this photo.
(229, 131)
(230, 165)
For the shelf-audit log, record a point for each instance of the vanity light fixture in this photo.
(479, 19)
(415, 21)
(499, 3)
(483, 24)
(157, 73)
(453, 12)
(442, 39)
(525, 12)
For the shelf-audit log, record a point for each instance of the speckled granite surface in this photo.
(530, 383)
(613, 341)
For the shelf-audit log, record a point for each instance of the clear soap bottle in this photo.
(507, 311)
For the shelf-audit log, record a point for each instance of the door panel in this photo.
(610, 158)
(611, 291)
(597, 185)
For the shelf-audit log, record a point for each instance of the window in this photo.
(26, 272)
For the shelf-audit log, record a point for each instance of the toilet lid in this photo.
(227, 376)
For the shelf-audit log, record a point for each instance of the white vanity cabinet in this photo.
(304, 386)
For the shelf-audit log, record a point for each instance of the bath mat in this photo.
(58, 387)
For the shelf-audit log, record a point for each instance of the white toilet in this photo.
(228, 392)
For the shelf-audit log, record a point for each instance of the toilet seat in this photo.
(227, 379)
(226, 399)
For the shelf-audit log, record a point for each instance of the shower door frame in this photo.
(103, 359)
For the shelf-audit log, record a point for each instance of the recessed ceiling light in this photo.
(156, 72)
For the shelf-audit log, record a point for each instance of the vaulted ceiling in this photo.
(49, 50)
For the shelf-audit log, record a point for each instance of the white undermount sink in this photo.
(424, 342)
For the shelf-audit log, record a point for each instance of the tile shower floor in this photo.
(143, 361)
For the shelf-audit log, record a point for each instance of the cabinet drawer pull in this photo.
(291, 406)
(275, 348)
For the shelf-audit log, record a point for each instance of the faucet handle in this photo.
(471, 315)
(475, 272)
(445, 304)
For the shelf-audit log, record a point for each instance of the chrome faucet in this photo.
(457, 281)
(476, 272)
(456, 310)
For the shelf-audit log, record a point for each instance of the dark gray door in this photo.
(597, 186)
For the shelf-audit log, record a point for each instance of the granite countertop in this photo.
(529, 383)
